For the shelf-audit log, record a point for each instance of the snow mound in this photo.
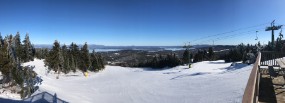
(208, 81)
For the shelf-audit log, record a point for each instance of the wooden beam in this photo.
(251, 91)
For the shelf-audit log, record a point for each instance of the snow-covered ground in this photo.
(205, 82)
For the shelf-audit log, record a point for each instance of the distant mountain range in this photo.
(94, 46)
(102, 47)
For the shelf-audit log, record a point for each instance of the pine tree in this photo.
(75, 55)
(1, 40)
(61, 62)
(41, 53)
(45, 53)
(72, 65)
(186, 57)
(199, 56)
(155, 62)
(5, 63)
(66, 66)
(191, 57)
(27, 49)
(10, 66)
(63, 59)
(18, 45)
(211, 53)
(279, 45)
(28, 77)
(55, 60)
(101, 62)
(85, 58)
(33, 52)
(94, 62)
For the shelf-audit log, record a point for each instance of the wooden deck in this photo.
(260, 87)
(271, 90)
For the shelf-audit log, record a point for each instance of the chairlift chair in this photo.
(256, 35)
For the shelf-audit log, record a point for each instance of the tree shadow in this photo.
(217, 62)
(172, 72)
(187, 75)
(43, 97)
(156, 69)
(236, 66)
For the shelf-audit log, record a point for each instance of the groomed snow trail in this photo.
(206, 82)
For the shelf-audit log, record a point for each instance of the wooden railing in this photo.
(269, 57)
(252, 88)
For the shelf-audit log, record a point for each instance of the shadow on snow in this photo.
(186, 75)
(43, 97)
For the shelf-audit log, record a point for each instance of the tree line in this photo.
(172, 60)
(279, 45)
(71, 58)
(157, 62)
(241, 53)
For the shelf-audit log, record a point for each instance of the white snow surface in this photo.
(205, 82)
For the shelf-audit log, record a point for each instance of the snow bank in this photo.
(208, 81)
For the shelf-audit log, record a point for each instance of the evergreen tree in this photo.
(155, 62)
(63, 59)
(10, 66)
(279, 45)
(75, 55)
(85, 58)
(5, 64)
(27, 49)
(72, 65)
(55, 59)
(234, 55)
(186, 56)
(94, 62)
(170, 60)
(211, 53)
(101, 61)
(28, 77)
(1, 40)
(33, 52)
(61, 62)
(199, 56)
(41, 53)
(66, 66)
(18, 45)
(205, 56)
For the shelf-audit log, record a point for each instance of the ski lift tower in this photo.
(272, 28)
(187, 46)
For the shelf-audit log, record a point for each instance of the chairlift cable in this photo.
(229, 32)
(232, 36)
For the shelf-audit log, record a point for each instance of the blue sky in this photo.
(141, 22)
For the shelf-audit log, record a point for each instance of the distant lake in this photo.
(101, 48)
(146, 49)
(106, 50)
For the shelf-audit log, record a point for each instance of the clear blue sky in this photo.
(140, 22)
